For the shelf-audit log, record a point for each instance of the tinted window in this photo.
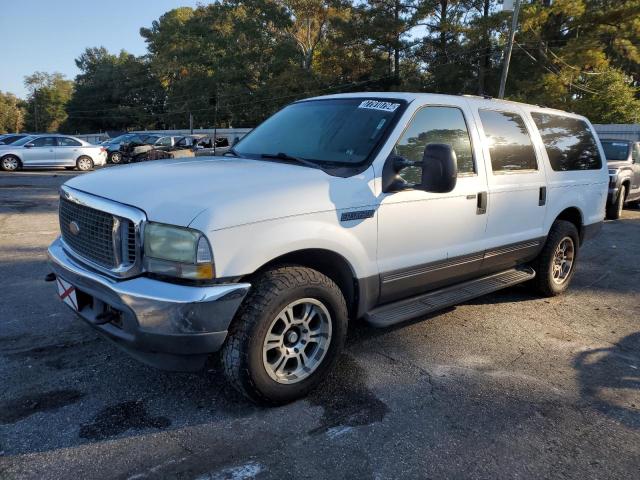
(222, 142)
(44, 142)
(509, 142)
(568, 141)
(165, 141)
(435, 125)
(340, 131)
(68, 142)
(615, 150)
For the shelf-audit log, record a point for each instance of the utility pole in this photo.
(191, 123)
(35, 114)
(215, 123)
(507, 53)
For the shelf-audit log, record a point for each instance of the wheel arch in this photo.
(327, 262)
(573, 215)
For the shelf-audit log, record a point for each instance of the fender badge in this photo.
(74, 228)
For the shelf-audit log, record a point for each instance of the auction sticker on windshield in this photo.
(67, 293)
(377, 105)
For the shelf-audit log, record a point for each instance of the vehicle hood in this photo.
(617, 163)
(225, 191)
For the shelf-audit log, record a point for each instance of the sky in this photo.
(48, 35)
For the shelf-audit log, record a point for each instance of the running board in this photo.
(403, 310)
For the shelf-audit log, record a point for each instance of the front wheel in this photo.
(556, 262)
(614, 211)
(116, 158)
(286, 336)
(10, 163)
(84, 164)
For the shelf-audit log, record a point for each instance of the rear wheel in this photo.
(286, 336)
(84, 164)
(556, 262)
(615, 209)
(10, 163)
(116, 157)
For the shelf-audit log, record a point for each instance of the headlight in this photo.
(177, 252)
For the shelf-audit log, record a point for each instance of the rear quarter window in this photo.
(510, 146)
(569, 143)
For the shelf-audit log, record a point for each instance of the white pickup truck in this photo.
(374, 206)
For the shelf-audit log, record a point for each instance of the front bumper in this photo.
(169, 326)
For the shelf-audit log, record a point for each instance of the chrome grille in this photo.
(131, 242)
(94, 240)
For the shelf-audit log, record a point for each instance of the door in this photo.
(67, 151)
(517, 188)
(40, 152)
(428, 240)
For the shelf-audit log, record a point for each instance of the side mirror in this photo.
(439, 168)
(236, 140)
(439, 171)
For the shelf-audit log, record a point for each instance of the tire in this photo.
(84, 164)
(550, 281)
(10, 163)
(115, 158)
(251, 364)
(615, 209)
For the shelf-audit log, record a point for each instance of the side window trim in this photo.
(466, 123)
(533, 145)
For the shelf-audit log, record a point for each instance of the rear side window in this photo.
(510, 146)
(569, 142)
(68, 142)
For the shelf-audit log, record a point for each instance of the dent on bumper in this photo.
(160, 321)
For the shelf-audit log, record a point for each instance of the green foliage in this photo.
(114, 92)
(11, 113)
(48, 95)
(235, 62)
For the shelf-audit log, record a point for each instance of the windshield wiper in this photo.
(290, 158)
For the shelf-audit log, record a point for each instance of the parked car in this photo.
(623, 160)
(52, 151)
(376, 206)
(11, 138)
(113, 147)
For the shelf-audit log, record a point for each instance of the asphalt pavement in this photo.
(510, 385)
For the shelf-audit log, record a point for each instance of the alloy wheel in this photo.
(297, 341)
(563, 259)
(10, 164)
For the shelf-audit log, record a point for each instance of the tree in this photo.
(48, 95)
(114, 92)
(11, 113)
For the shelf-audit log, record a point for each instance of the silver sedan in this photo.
(42, 151)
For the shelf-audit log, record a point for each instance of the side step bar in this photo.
(403, 310)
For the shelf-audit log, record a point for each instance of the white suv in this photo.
(375, 206)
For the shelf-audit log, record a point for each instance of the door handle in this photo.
(481, 208)
(542, 197)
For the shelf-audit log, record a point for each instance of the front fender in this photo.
(242, 250)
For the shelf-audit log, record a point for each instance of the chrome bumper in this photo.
(169, 326)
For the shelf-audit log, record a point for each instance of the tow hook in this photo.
(50, 277)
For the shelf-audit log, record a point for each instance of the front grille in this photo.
(94, 240)
(131, 242)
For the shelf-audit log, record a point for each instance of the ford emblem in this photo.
(74, 228)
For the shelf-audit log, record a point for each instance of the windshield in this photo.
(337, 131)
(24, 140)
(118, 139)
(615, 150)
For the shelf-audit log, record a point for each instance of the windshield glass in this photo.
(24, 140)
(615, 150)
(343, 131)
